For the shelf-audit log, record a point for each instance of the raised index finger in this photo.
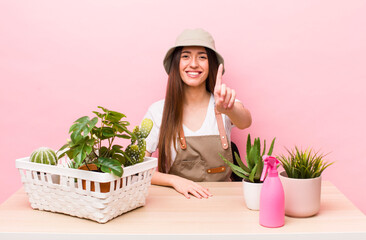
(219, 75)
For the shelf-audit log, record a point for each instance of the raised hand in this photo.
(224, 96)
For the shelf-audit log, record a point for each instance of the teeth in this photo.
(193, 73)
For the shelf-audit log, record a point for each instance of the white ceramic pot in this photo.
(302, 196)
(252, 193)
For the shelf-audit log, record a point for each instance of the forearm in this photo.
(159, 178)
(239, 115)
(162, 179)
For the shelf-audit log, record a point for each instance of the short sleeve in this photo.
(155, 113)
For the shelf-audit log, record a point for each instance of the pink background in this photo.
(299, 66)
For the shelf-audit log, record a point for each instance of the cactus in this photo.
(135, 153)
(44, 155)
(146, 126)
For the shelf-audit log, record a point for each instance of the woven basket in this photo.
(58, 189)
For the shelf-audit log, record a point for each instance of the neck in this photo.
(196, 96)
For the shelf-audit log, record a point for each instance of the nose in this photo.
(194, 62)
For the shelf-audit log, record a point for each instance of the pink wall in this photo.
(299, 66)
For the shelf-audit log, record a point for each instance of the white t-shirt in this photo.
(209, 125)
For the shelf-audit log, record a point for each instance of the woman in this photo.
(192, 125)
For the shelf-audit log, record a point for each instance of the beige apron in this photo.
(198, 157)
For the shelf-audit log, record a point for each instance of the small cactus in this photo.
(44, 155)
(146, 126)
(136, 152)
(142, 149)
(133, 153)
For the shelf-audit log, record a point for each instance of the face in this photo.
(193, 66)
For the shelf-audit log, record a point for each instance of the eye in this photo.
(184, 56)
(203, 57)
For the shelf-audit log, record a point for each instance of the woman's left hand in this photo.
(224, 96)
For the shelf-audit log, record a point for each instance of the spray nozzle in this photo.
(270, 163)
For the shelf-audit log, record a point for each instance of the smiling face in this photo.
(193, 66)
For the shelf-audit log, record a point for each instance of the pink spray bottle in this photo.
(272, 199)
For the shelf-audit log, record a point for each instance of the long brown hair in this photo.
(173, 107)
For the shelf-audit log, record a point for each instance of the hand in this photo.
(186, 187)
(224, 96)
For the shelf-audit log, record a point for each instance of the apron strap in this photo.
(182, 139)
(222, 132)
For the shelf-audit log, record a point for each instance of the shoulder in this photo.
(157, 107)
(155, 112)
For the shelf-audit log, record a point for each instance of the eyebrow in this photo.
(186, 51)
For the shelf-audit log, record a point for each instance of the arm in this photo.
(181, 185)
(239, 115)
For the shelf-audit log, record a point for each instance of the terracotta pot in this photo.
(302, 196)
(104, 187)
(252, 193)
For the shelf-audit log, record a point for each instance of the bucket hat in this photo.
(192, 37)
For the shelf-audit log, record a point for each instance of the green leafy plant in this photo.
(303, 164)
(252, 171)
(92, 144)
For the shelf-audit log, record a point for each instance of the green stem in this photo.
(110, 144)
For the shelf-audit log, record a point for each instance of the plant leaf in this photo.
(117, 147)
(100, 115)
(108, 132)
(257, 143)
(252, 174)
(125, 136)
(240, 163)
(251, 157)
(109, 164)
(114, 116)
(259, 169)
(236, 169)
(78, 126)
(119, 157)
(104, 109)
(264, 147)
(82, 125)
(91, 124)
(249, 144)
(81, 150)
(271, 147)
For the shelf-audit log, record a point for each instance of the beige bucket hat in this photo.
(192, 37)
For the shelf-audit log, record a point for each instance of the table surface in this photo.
(167, 213)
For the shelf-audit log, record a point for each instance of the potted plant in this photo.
(127, 172)
(252, 171)
(301, 181)
(93, 147)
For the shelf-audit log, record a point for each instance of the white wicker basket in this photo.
(58, 189)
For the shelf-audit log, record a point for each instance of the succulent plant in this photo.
(252, 171)
(303, 164)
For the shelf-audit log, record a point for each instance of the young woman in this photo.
(192, 125)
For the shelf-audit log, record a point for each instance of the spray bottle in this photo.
(272, 199)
